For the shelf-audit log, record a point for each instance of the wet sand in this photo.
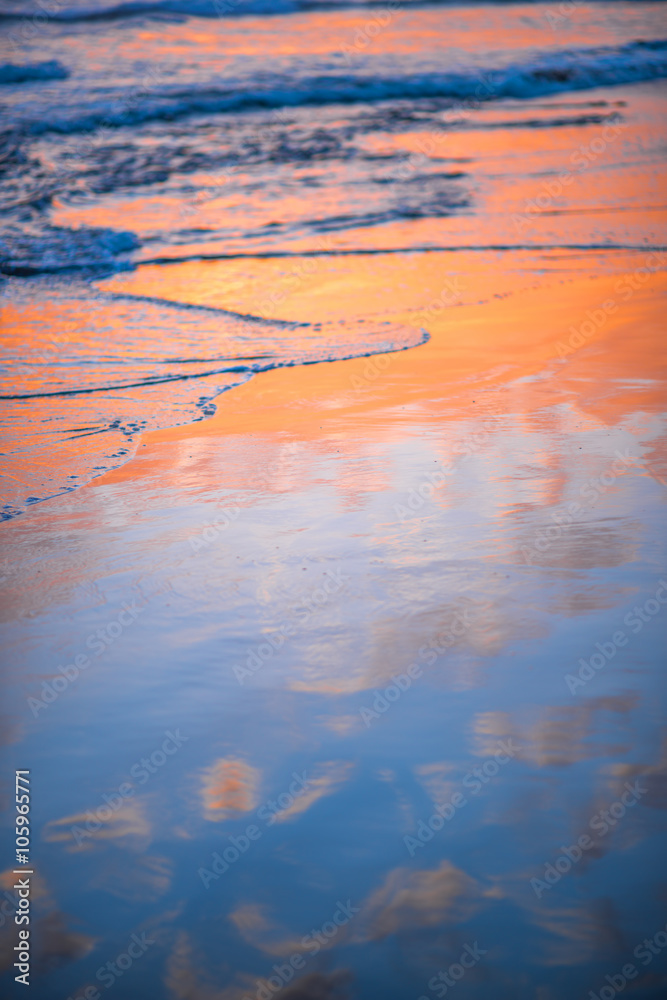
(475, 517)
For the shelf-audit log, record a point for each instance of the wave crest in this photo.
(51, 70)
(568, 70)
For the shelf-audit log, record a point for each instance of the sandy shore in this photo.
(444, 547)
(474, 514)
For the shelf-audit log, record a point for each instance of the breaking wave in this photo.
(566, 70)
(51, 70)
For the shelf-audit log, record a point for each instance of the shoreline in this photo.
(371, 574)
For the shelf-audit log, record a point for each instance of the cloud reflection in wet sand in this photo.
(129, 829)
(230, 787)
(185, 981)
(560, 736)
(53, 941)
(411, 899)
(326, 779)
(491, 373)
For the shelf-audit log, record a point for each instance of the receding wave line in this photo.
(567, 70)
(246, 317)
(324, 341)
(412, 248)
(139, 384)
(166, 367)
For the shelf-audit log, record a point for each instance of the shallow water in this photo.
(144, 136)
(343, 596)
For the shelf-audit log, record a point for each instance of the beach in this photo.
(337, 666)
